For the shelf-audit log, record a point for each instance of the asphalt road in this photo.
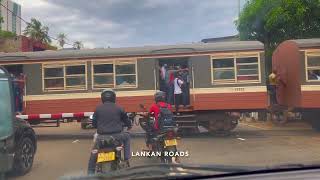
(65, 150)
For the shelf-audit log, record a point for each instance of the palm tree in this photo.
(35, 30)
(62, 37)
(77, 45)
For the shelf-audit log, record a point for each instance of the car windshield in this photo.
(172, 87)
(6, 111)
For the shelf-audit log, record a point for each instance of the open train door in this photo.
(169, 69)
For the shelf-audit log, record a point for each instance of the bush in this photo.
(7, 34)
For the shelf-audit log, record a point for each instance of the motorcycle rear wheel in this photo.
(106, 167)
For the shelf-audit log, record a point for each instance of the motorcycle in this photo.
(164, 142)
(110, 154)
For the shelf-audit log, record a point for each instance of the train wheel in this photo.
(222, 124)
(312, 118)
(279, 117)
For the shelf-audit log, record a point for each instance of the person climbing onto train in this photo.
(170, 81)
(160, 102)
(178, 82)
(272, 87)
(110, 120)
(163, 73)
(185, 86)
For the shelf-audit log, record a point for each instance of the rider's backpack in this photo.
(165, 118)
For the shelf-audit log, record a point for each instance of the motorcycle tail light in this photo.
(170, 134)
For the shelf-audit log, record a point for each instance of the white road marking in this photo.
(241, 139)
(253, 126)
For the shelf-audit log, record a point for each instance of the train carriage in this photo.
(224, 77)
(298, 64)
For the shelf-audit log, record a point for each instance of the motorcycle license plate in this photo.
(106, 156)
(171, 142)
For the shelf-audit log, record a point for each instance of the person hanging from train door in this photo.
(170, 80)
(185, 86)
(272, 87)
(178, 82)
(163, 85)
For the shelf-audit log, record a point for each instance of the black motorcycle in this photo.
(164, 144)
(110, 154)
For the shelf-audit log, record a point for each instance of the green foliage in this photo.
(77, 45)
(35, 30)
(274, 21)
(7, 34)
(62, 37)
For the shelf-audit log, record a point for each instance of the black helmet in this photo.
(108, 95)
(160, 96)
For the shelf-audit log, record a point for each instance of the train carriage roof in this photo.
(134, 51)
(307, 43)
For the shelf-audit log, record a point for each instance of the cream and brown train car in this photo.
(224, 77)
(298, 64)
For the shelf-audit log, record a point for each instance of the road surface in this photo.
(65, 150)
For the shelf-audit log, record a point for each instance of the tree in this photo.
(62, 37)
(35, 30)
(274, 21)
(77, 45)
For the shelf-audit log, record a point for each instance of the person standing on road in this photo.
(109, 119)
(273, 81)
(178, 82)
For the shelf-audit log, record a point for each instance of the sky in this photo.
(126, 23)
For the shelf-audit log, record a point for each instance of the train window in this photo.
(313, 68)
(75, 77)
(223, 69)
(223, 63)
(54, 78)
(235, 69)
(247, 69)
(103, 75)
(64, 77)
(126, 74)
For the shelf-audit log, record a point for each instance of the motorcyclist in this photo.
(109, 119)
(160, 101)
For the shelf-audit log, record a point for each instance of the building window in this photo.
(313, 67)
(115, 74)
(64, 77)
(235, 69)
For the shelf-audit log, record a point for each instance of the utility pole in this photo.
(238, 9)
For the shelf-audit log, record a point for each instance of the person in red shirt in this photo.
(160, 101)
